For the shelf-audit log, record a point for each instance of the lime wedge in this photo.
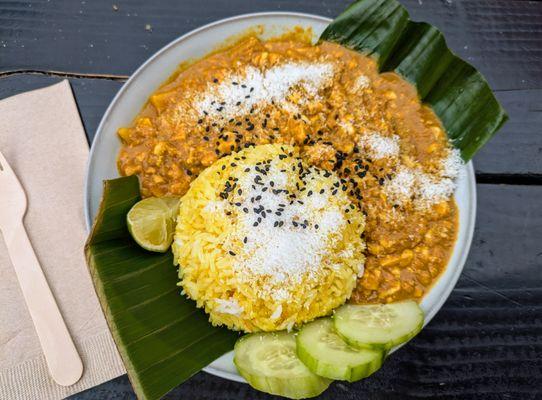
(151, 222)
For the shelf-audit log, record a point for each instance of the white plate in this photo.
(131, 98)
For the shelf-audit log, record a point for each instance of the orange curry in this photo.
(408, 246)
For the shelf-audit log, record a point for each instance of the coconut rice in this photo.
(265, 242)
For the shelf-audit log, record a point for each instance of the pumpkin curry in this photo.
(390, 150)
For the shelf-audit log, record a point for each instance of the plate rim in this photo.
(468, 168)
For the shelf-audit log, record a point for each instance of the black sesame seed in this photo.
(215, 80)
(232, 253)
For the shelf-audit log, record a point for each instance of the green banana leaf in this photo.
(162, 337)
(457, 93)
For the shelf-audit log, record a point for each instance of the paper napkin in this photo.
(42, 138)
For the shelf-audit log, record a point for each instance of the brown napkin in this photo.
(42, 138)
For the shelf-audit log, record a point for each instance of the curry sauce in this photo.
(408, 242)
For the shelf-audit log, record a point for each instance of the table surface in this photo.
(487, 339)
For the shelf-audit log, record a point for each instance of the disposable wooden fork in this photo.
(63, 361)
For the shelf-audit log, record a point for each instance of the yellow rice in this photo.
(209, 250)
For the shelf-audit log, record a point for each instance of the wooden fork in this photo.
(63, 361)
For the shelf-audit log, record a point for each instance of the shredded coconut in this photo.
(379, 146)
(452, 164)
(432, 191)
(362, 82)
(229, 307)
(400, 188)
(295, 249)
(238, 94)
(411, 184)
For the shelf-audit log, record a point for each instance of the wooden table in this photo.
(486, 342)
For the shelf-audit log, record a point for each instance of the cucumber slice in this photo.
(269, 363)
(326, 354)
(378, 325)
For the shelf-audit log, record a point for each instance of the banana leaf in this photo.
(457, 93)
(162, 337)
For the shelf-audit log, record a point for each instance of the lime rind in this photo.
(151, 222)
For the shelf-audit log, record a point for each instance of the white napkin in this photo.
(42, 138)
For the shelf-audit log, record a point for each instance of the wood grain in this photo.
(500, 37)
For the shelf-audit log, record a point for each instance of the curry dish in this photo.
(391, 152)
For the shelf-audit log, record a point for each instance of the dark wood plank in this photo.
(517, 148)
(486, 342)
(502, 38)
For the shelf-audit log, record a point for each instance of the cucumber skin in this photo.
(385, 347)
(330, 371)
(294, 388)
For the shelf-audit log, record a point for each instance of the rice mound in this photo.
(265, 242)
